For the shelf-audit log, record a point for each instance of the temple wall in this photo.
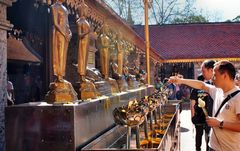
(4, 26)
(3, 83)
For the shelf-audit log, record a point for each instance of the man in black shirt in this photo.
(198, 117)
(207, 72)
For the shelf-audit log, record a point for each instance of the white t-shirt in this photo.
(222, 139)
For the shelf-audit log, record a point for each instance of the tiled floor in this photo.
(188, 133)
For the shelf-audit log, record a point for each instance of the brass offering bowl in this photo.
(157, 132)
(150, 143)
(168, 115)
(152, 102)
(130, 115)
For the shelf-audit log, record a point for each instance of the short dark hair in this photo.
(165, 80)
(209, 64)
(200, 77)
(226, 67)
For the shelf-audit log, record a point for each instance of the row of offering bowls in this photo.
(135, 113)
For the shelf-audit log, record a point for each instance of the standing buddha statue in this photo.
(61, 91)
(103, 42)
(87, 88)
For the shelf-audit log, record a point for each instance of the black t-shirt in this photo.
(195, 94)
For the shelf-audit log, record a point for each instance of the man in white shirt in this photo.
(225, 134)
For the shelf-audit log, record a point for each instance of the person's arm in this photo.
(192, 83)
(232, 126)
(193, 98)
(193, 102)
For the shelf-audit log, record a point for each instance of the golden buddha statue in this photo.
(83, 29)
(103, 42)
(61, 91)
(120, 56)
(60, 38)
(114, 68)
(87, 88)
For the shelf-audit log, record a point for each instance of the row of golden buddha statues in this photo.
(61, 91)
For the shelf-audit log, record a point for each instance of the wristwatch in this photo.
(221, 125)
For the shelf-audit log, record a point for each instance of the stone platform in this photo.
(40, 126)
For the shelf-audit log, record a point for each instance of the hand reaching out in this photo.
(174, 79)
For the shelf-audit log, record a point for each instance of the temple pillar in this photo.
(4, 26)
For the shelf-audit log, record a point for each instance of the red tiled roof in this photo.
(194, 41)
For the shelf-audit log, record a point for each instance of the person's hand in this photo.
(180, 76)
(174, 79)
(212, 121)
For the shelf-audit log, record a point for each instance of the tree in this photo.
(125, 9)
(236, 19)
(167, 11)
(161, 12)
(118, 5)
(190, 19)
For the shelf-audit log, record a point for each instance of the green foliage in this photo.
(190, 19)
(236, 19)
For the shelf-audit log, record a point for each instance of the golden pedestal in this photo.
(114, 85)
(122, 85)
(87, 90)
(61, 92)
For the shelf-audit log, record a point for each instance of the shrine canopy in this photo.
(195, 42)
(17, 50)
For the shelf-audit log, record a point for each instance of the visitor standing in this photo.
(225, 120)
(10, 92)
(198, 117)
